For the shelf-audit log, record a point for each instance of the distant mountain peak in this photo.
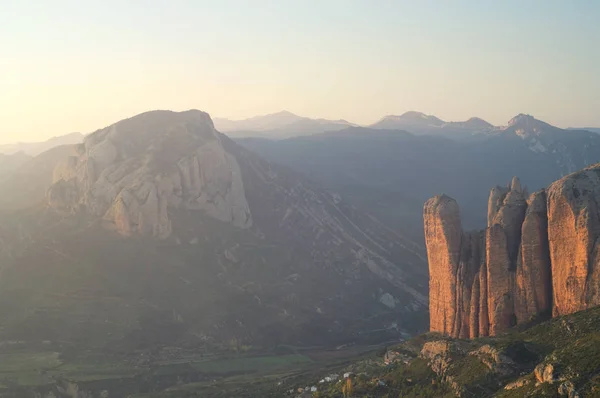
(284, 113)
(413, 117)
(478, 122)
(526, 126)
(522, 119)
(415, 114)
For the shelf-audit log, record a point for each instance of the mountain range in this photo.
(279, 125)
(284, 124)
(178, 235)
(421, 124)
(393, 172)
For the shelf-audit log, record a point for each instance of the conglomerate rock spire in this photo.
(484, 282)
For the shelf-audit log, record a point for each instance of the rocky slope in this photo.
(175, 234)
(539, 256)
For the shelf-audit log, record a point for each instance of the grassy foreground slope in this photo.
(556, 358)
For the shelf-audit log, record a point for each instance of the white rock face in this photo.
(134, 171)
(388, 300)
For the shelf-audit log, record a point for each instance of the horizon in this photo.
(235, 61)
(85, 133)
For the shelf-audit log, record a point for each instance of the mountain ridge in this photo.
(393, 172)
(36, 148)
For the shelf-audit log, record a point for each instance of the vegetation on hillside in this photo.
(556, 358)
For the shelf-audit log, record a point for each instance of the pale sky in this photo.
(79, 65)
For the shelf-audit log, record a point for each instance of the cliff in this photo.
(573, 232)
(484, 282)
(132, 179)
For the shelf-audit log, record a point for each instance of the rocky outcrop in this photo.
(542, 256)
(438, 355)
(533, 276)
(443, 236)
(499, 276)
(503, 239)
(545, 373)
(573, 232)
(134, 171)
(455, 259)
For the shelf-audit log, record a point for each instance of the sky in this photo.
(69, 65)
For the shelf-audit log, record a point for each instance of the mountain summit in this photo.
(526, 125)
(131, 172)
(410, 118)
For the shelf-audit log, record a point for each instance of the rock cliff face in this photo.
(132, 179)
(443, 235)
(573, 231)
(498, 277)
(533, 277)
(541, 256)
(454, 263)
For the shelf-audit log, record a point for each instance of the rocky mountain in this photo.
(36, 148)
(421, 124)
(393, 172)
(278, 126)
(536, 257)
(158, 229)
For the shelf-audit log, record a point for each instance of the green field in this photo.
(16, 362)
(42, 369)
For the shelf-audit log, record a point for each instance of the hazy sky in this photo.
(81, 65)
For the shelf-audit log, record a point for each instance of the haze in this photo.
(73, 66)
